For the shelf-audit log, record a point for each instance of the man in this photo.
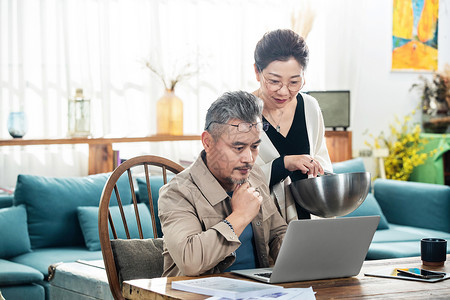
(217, 215)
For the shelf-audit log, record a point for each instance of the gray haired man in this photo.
(217, 215)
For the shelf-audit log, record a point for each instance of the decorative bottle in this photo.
(79, 115)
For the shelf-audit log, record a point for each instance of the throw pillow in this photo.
(370, 207)
(52, 203)
(156, 182)
(138, 258)
(88, 217)
(13, 224)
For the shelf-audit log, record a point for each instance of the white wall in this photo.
(363, 63)
(350, 46)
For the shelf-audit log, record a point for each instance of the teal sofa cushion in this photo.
(370, 207)
(349, 166)
(393, 250)
(24, 292)
(396, 250)
(52, 203)
(42, 258)
(401, 233)
(156, 182)
(416, 204)
(88, 217)
(12, 273)
(14, 238)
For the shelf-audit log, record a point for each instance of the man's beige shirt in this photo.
(196, 241)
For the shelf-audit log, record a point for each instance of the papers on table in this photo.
(285, 294)
(224, 288)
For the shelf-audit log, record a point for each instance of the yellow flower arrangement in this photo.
(404, 146)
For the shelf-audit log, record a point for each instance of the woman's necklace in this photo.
(277, 127)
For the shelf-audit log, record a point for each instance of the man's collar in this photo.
(206, 182)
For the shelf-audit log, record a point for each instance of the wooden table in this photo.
(360, 286)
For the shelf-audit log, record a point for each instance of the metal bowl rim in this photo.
(336, 175)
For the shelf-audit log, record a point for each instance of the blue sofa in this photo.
(409, 211)
(52, 220)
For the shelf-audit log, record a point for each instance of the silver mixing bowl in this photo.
(332, 195)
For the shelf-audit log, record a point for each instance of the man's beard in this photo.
(239, 181)
(236, 181)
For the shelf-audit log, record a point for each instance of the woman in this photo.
(293, 147)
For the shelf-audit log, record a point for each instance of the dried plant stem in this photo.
(159, 73)
(183, 73)
(302, 20)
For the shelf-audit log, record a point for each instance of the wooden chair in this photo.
(105, 219)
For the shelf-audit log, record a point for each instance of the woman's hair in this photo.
(281, 44)
(232, 105)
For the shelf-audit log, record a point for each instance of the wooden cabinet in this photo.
(100, 149)
(339, 144)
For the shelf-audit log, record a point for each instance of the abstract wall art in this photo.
(415, 35)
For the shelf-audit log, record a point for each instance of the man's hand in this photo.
(245, 204)
(305, 163)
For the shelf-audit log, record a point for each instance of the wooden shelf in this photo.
(100, 149)
(339, 144)
(93, 141)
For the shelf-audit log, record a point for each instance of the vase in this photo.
(435, 117)
(169, 114)
(17, 124)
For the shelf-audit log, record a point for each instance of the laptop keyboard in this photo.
(267, 275)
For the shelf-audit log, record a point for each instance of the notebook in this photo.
(319, 249)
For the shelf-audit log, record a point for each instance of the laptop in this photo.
(319, 249)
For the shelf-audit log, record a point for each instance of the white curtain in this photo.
(51, 47)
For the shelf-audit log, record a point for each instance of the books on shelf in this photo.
(225, 287)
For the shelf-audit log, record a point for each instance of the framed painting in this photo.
(415, 35)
